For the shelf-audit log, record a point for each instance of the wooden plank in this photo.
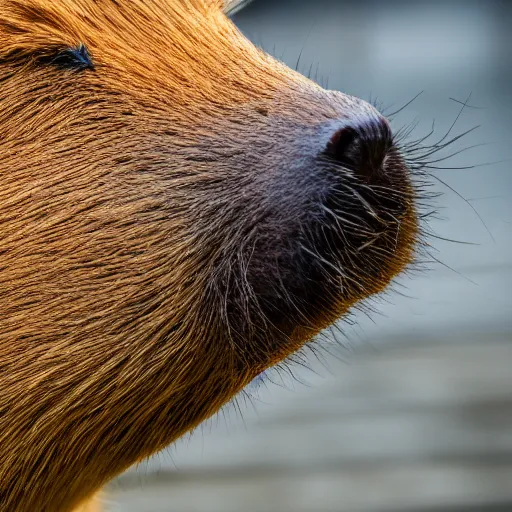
(438, 403)
(410, 487)
(418, 429)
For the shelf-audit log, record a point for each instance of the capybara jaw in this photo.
(178, 211)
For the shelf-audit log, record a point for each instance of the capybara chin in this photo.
(178, 212)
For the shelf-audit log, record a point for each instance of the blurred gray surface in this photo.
(420, 419)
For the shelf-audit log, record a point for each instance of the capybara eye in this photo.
(77, 58)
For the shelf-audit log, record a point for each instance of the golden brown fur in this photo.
(130, 205)
(92, 505)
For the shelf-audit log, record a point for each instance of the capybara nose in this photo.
(361, 145)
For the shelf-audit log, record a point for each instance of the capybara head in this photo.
(179, 211)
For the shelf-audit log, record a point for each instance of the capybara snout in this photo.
(317, 212)
(327, 216)
(178, 212)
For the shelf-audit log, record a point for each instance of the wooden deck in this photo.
(417, 428)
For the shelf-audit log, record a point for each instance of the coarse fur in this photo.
(171, 224)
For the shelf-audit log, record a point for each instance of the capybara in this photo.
(178, 212)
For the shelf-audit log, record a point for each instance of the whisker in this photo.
(392, 114)
(467, 202)
(444, 239)
(453, 270)
(467, 105)
(456, 119)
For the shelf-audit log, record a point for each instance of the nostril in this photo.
(344, 147)
(361, 146)
(343, 143)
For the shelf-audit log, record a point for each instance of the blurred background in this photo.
(413, 409)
